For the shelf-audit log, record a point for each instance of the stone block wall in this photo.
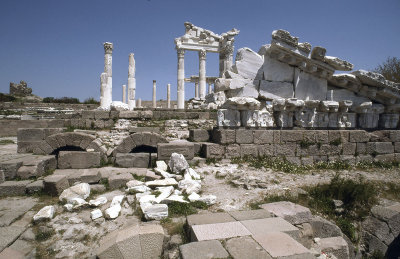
(304, 147)
(28, 138)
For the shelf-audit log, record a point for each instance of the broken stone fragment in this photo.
(318, 53)
(165, 193)
(208, 199)
(95, 214)
(113, 212)
(46, 213)
(147, 198)
(140, 188)
(271, 90)
(193, 174)
(161, 165)
(156, 211)
(189, 186)
(81, 190)
(133, 183)
(329, 106)
(338, 64)
(174, 198)
(228, 118)
(241, 103)
(78, 202)
(164, 182)
(284, 36)
(178, 163)
(117, 200)
(222, 84)
(193, 197)
(164, 174)
(304, 47)
(98, 202)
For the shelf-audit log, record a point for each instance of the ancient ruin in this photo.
(282, 158)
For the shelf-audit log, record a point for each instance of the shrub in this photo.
(7, 98)
(91, 100)
(60, 100)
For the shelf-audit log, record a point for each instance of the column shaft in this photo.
(196, 89)
(202, 74)
(124, 93)
(131, 82)
(169, 96)
(181, 79)
(154, 95)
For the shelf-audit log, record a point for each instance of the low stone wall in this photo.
(92, 119)
(58, 106)
(302, 147)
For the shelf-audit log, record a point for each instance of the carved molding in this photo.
(108, 47)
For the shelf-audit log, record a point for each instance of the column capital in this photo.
(202, 54)
(181, 53)
(108, 47)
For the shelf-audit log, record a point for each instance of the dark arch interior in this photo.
(144, 149)
(66, 148)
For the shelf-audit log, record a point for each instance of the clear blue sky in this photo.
(56, 46)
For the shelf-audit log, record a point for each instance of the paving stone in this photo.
(73, 175)
(13, 208)
(294, 213)
(203, 250)
(90, 176)
(78, 159)
(245, 248)
(164, 150)
(117, 181)
(250, 214)
(22, 246)
(209, 218)
(199, 135)
(281, 245)
(132, 242)
(55, 184)
(12, 188)
(334, 245)
(9, 253)
(9, 235)
(219, 231)
(10, 168)
(35, 187)
(266, 225)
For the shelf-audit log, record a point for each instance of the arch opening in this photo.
(144, 149)
(66, 148)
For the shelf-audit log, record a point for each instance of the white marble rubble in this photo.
(81, 190)
(96, 214)
(178, 163)
(98, 201)
(45, 213)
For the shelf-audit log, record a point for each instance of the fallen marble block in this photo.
(165, 193)
(178, 163)
(156, 211)
(46, 213)
(275, 70)
(113, 212)
(308, 86)
(248, 64)
(241, 103)
(174, 198)
(98, 202)
(189, 186)
(193, 174)
(117, 200)
(273, 89)
(81, 190)
(249, 89)
(318, 53)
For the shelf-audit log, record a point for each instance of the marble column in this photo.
(131, 82)
(124, 93)
(154, 95)
(202, 74)
(181, 79)
(103, 86)
(169, 96)
(196, 89)
(107, 94)
(209, 88)
(139, 103)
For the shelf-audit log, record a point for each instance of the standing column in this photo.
(103, 86)
(107, 94)
(169, 96)
(140, 103)
(209, 88)
(124, 93)
(196, 89)
(202, 73)
(131, 82)
(181, 79)
(154, 94)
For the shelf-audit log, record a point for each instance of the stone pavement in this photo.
(262, 233)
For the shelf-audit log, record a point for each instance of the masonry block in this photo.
(199, 135)
(78, 159)
(232, 151)
(248, 150)
(164, 150)
(380, 148)
(285, 149)
(128, 160)
(263, 136)
(349, 148)
(358, 136)
(291, 136)
(266, 150)
(212, 150)
(244, 136)
(55, 184)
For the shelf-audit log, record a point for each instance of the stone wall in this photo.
(57, 106)
(95, 119)
(302, 147)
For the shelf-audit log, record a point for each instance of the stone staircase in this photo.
(263, 233)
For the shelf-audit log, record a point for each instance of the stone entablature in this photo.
(303, 147)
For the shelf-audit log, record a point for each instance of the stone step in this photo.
(269, 225)
(13, 188)
(219, 231)
(203, 249)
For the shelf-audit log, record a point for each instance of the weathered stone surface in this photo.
(248, 64)
(116, 181)
(209, 218)
(165, 150)
(203, 249)
(241, 87)
(323, 228)
(156, 211)
(250, 214)
(228, 118)
(112, 212)
(9, 235)
(241, 104)
(318, 53)
(35, 187)
(379, 229)
(218, 231)
(248, 150)
(273, 224)
(12, 188)
(244, 136)
(211, 150)
(128, 160)
(90, 176)
(14, 208)
(338, 64)
(334, 245)
(223, 136)
(359, 136)
(133, 242)
(245, 247)
(380, 148)
(263, 136)
(274, 70)
(199, 135)
(274, 89)
(162, 183)
(11, 253)
(309, 87)
(78, 159)
(281, 245)
(294, 213)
